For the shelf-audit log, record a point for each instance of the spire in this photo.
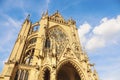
(71, 21)
(43, 14)
(27, 19)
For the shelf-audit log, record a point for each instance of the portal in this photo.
(47, 75)
(68, 72)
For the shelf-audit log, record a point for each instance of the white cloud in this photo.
(106, 33)
(104, 19)
(108, 28)
(95, 42)
(83, 31)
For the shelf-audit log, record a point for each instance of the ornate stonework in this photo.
(48, 50)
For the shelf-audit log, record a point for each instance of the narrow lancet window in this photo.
(21, 75)
(47, 43)
(26, 75)
(16, 75)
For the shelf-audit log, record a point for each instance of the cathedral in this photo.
(49, 49)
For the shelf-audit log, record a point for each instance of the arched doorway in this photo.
(47, 75)
(68, 72)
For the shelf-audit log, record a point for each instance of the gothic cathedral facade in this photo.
(49, 49)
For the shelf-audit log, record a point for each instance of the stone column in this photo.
(53, 74)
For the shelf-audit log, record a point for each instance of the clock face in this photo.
(60, 38)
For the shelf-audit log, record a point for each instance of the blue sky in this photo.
(98, 23)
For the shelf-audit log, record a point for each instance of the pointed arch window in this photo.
(28, 57)
(47, 43)
(21, 75)
(33, 40)
(28, 60)
(26, 75)
(16, 75)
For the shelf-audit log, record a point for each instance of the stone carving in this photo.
(9, 71)
(53, 48)
(59, 37)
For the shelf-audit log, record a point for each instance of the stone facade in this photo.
(49, 49)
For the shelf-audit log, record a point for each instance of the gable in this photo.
(58, 16)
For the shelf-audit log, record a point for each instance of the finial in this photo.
(57, 12)
(46, 12)
(71, 18)
(43, 13)
(28, 17)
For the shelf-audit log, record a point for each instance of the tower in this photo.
(48, 50)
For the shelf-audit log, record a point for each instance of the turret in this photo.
(20, 42)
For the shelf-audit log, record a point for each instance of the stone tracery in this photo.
(47, 53)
